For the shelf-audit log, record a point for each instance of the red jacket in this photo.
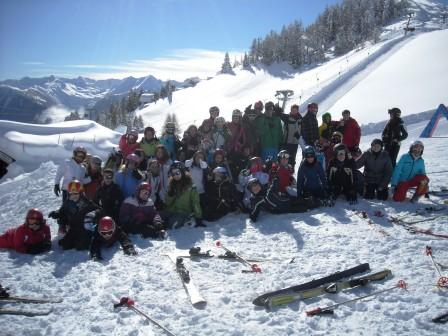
(284, 176)
(352, 134)
(127, 148)
(22, 237)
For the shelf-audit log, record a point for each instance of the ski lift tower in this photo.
(284, 96)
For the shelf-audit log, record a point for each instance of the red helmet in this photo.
(256, 164)
(106, 227)
(75, 187)
(35, 214)
(144, 186)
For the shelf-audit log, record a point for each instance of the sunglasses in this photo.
(176, 173)
(107, 233)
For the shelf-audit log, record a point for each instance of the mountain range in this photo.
(25, 99)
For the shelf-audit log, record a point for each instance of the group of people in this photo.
(242, 166)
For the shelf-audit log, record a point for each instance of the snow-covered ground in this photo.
(322, 241)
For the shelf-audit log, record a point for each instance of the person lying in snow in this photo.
(32, 237)
(106, 234)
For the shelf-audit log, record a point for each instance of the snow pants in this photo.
(419, 181)
(371, 189)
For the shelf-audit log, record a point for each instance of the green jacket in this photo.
(149, 147)
(185, 203)
(269, 130)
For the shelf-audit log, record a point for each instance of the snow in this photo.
(322, 241)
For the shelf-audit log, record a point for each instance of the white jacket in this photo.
(197, 174)
(71, 170)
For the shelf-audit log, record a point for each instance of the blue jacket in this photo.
(407, 168)
(310, 177)
(127, 182)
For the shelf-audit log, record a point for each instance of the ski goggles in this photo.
(107, 234)
(284, 156)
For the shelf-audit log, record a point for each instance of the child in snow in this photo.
(128, 142)
(32, 237)
(106, 233)
(71, 218)
(283, 170)
(182, 200)
(255, 170)
(149, 142)
(139, 215)
(94, 172)
(170, 140)
(129, 176)
(109, 195)
(410, 172)
(197, 166)
(191, 141)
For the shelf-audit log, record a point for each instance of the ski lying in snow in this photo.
(24, 312)
(333, 288)
(192, 291)
(262, 299)
(413, 229)
(441, 318)
(253, 268)
(196, 253)
(6, 297)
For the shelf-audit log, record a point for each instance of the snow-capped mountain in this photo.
(24, 99)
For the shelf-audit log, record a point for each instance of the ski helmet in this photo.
(256, 164)
(106, 227)
(133, 158)
(133, 132)
(143, 186)
(252, 182)
(35, 214)
(79, 149)
(282, 154)
(416, 143)
(220, 170)
(220, 120)
(177, 165)
(309, 151)
(75, 187)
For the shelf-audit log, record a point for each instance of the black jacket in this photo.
(99, 241)
(109, 197)
(394, 131)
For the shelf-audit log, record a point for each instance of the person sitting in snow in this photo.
(410, 172)
(128, 142)
(105, 234)
(32, 237)
(255, 170)
(377, 171)
(138, 214)
(221, 196)
(129, 176)
(342, 176)
(183, 206)
(72, 169)
(219, 160)
(71, 218)
(109, 195)
(292, 129)
(198, 168)
(268, 198)
(311, 179)
(152, 176)
(163, 158)
(283, 170)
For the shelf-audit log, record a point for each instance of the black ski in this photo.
(441, 318)
(6, 297)
(24, 312)
(262, 300)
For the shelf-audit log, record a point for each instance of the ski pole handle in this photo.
(428, 250)
(124, 301)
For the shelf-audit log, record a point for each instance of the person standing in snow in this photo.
(250, 128)
(270, 133)
(197, 166)
(165, 162)
(328, 126)
(310, 127)
(109, 195)
(351, 133)
(292, 129)
(32, 237)
(191, 142)
(149, 142)
(377, 171)
(410, 172)
(170, 140)
(129, 177)
(71, 169)
(394, 132)
(96, 177)
(214, 113)
(128, 142)
(105, 234)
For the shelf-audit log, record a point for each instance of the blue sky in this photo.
(117, 38)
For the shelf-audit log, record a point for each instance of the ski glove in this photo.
(129, 250)
(57, 190)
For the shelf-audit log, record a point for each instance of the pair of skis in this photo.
(5, 297)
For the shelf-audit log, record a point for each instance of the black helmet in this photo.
(377, 142)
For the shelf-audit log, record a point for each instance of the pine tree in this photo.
(226, 67)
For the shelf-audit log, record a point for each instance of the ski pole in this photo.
(442, 281)
(329, 310)
(253, 267)
(127, 302)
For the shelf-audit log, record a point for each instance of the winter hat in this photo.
(326, 115)
(395, 111)
(416, 143)
(377, 142)
(252, 182)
